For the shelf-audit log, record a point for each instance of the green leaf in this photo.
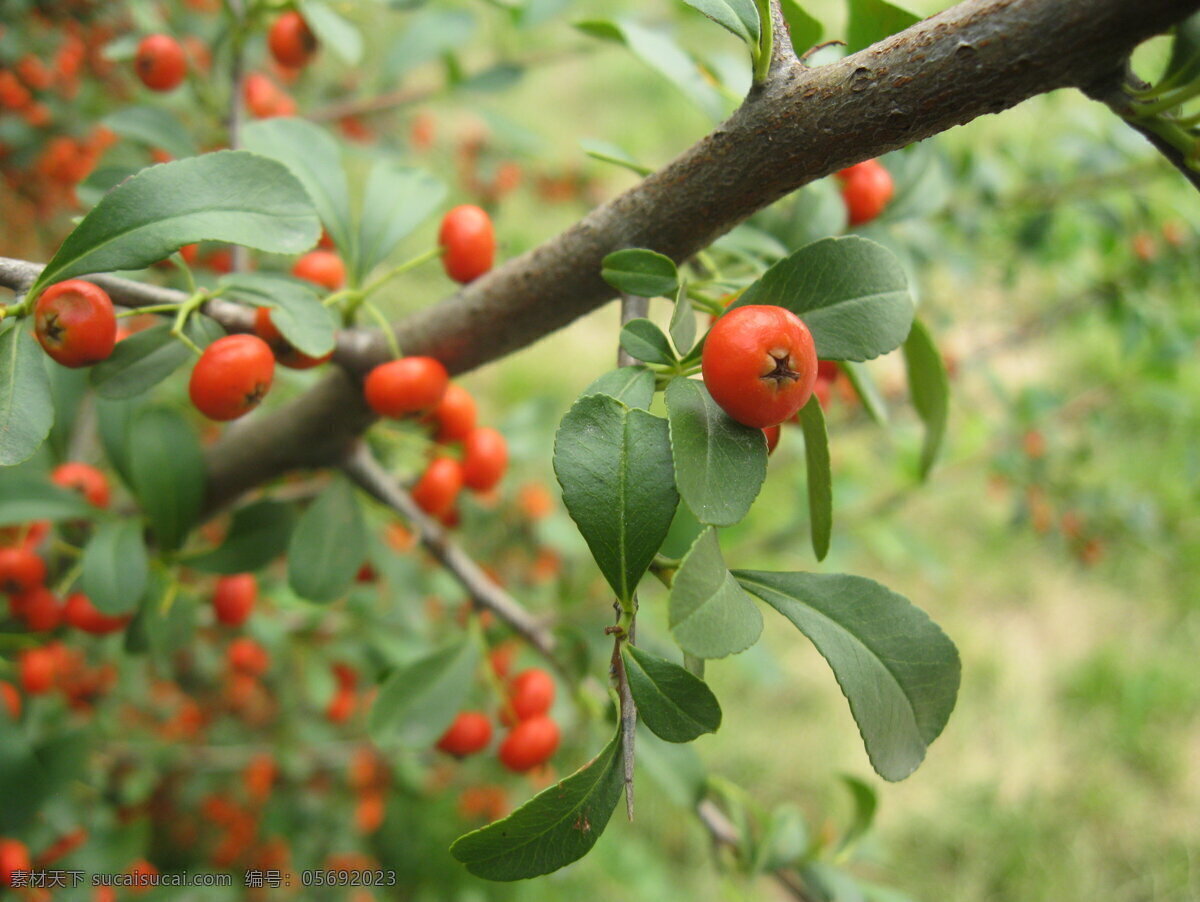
(334, 32)
(166, 468)
(23, 500)
(868, 392)
(709, 614)
(685, 529)
(26, 406)
(643, 340)
(230, 196)
(631, 385)
(805, 31)
(820, 476)
(430, 33)
(313, 156)
(640, 272)
(296, 308)
(419, 700)
(865, 803)
(67, 389)
(929, 385)
(895, 666)
(738, 17)
(112, 424)
(614, 465)
(1184, 64)
(260, 533)
(154, 127)
(674, 704)
(675, 767)
(851, 293)
(784, 839)
(144, 359)
(557, 826)
(397, 200)
(328, 545)
(720, 464)
(31, 775)
(873, 20)
(607, 152)
(683, 322)
(115, 566)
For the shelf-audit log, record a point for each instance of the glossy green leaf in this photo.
(672, 703)
(865, 803)
(115, 566)
(720, 464)
(260, 532)
(419, 700)
(166, 468)
(146, 358)
(804, 30)
(332, 31)
(640, 272)
(683, 322)
(873, 20)
(709, 613)
(297, 311)
(32, 774)
(557, 826)
(397, 199)
(851, 293)
(898, 670)
(643, 340)
(738, 17)
(328, 545)
(614, 465)
(26, 406)
(153, 126)
(631, 385)
(231, 196)
(820, 476)
(929, 384)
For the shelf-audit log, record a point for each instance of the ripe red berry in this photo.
(285, 354)
(291, 41)
(341, 706)
(86, 617)
(406, 386)
(531, 693)
(160, 62)
(468, 243)
(38, 668)
(234, 597)
(232, 376)
(529, 743)
(11, 698)
(20, 570)
(247, 656)
(471, 732)
(866, 188)
(485, 458)
(40, 610)
(759, 364)
(324, 268)
(454, 415)
(772, 434)
(438, 486)
(75, 323)
(85, 479)
(14, 856)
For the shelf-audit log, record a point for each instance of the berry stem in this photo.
(389, 334)
(766, 42)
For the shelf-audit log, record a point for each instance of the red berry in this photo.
(759, 364)
(406, 386)
(160, 62)
(248, 657)
(324, 268)
(531, 693)
(75, 323)
(85, 479)
(341, 706)
(234, 597)
(529, 743)
(468, 243)
(454, 415)
(772, 434)
(438, 486)
(827, 370)
(866, 188)
(20, 570)
(86, 617)
(232, 376)
(40, 609)
(38, 668)
(471, 732)
(11, 698)
(485, 459)
(285, 354)
(291, 41)
(14, 856)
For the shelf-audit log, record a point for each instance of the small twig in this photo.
(632, 307)
(723, 833)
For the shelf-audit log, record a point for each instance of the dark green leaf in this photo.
(683, 322)
(397, 200)
(804, 30)
(720, 464)
(709, 614)
(23, 500)
(873, 20)
(144, 359)
(865, 803)
(866, 389)
(334, 32)
(260, 532)
(894, 665)
(631, 385)
(115, 566)
(297, 311)
(231, 196)
(1184, 65)
(328, 545)
(154, 127)
(67, 390)
(640, 272)
(26, 406)
(112, 422)
(31, 775)
(419, 700)
(929, 385)
(851, 293)
(557, 826)
(614, 465)
(166, 470)
(738, 17)
(643, 340)
(820, 476)
(672, 703)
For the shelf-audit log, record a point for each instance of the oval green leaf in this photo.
(672, 703)
(419, 700)
(328, 545)
(738, 17)
(397, 199)
(631, 385)
(144, 359)
(929, 385)
(166, 471)
(259, 533)
(26, 406)
(115, 566)
(297, 311)
(644, 341)
(640, 272)
(709, 614)
(820, 475)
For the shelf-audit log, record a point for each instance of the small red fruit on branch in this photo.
(85, 479)
(160, 62)
(324, 268)
(232, 377)
(291, 41)
(406, 386)
(485, 459)
(234, 598)
(470, 733)
(468, 243)
(75, 323)
(867, 188)
(529, 743)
